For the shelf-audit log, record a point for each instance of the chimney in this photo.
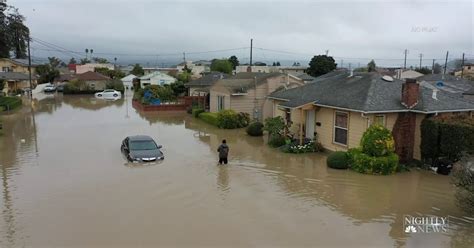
(410, 92)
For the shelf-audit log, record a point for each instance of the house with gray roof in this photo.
(16, 81)
(201, 86)
(448, 83)
(247, 92)
(337, 109)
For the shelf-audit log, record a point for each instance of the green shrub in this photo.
(10, 102)
(116, 85)
(446, 137)
(276, 140)
(274, 125)
(463, 178)
(228, 119)
(208, 117)
(243, 119)
(377, 141)
(255, 129)
(338, 160)
(364, 163)
(295, 147)
(197, 111)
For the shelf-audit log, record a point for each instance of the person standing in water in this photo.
(223, 151)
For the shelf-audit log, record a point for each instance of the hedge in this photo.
(364, 163)
(255, 129)
(9, 103)
(448, 137)
(276, 140)
(338, 160)
(196, 112)
(229, 119)
(208, 117)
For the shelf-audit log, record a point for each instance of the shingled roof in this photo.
(207, 80)
(368, 93)
(15, 76)
(241, 82)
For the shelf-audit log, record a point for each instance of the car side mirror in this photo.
(160, 146)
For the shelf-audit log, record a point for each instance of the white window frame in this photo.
(344, 128)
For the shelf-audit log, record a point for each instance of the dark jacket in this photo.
(223, 151)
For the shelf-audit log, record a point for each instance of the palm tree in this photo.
(92, 50)
(87, 51)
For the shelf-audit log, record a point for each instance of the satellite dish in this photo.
(387, 78)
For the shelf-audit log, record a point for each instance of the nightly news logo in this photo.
(429, 224)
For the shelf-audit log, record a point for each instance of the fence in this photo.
(182, 104)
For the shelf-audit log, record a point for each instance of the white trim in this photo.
(276, 98)
(239, 94)
(334, 128)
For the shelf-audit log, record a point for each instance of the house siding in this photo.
(255, 98)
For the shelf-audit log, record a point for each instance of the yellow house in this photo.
(337, 109)
(247, 92)
(16, 65)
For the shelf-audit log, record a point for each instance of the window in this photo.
(6, 69)
(379, 120)
(220, 103)
(92, 86)
(340, 128)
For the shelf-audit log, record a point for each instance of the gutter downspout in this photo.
(362, 114)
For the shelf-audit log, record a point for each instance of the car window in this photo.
(142, 145)
(108, 90)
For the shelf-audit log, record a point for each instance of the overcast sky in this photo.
(348, 29)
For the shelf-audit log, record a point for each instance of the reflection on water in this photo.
(64, 183)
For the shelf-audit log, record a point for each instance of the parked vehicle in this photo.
(60, 88)
(109, 93)
(49, 88)
(141, 148)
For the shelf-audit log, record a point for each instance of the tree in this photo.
(100, 60)
(113, 74)
(278, 63)
(437, 68)
(371, 66)
(320, 65)
(274, 64)
(4, 44)
(46, 73)
(72, 61)
(85, 61)
(54, 62)
(2, 84)
(423, 70)
(234, 61)
(178, 88)
(184, 76)
(137, 70)
(19, 34)
(221, 65)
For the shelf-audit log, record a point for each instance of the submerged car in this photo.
(141, 148)
(108, 94)
(49, 88)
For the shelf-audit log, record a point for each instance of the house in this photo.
(466, 71)
(93, 80)
(201, 86)
(255, 68)
(15, 81)
(128, 81)
(404, 74)
(247, 92)
(156, 78)
(169, 71)
(447, 83)
(91, 67)
(197, 69)
(303, 76)
(16, 65)
(338, 109)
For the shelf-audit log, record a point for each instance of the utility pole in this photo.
(184, 57)
(446, 62)
(251, 48)
(29, 67)
(432, 67)
(421, 58)
(462, 66)
(327, 52)
(405, 63)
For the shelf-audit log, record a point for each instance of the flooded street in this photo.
(64, 183)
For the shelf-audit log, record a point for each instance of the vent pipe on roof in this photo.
(434, 95)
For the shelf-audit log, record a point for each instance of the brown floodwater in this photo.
(64, 183)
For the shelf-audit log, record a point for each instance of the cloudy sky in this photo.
(282, 30)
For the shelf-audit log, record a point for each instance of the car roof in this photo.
(139, 138)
